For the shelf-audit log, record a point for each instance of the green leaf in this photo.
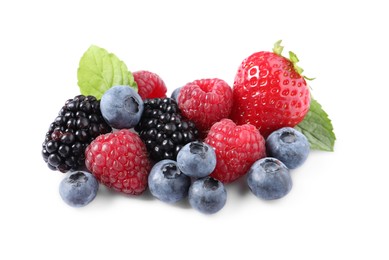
(317, 127)
(99, 70)
(132, 82)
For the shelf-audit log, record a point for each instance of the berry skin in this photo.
(196, 159)
(207, 195)
(175, 94)
(205, 102)
(289, 146)
(163, 129)
(150, 85)
(119, 160)
(77, 124)
(78, 188)
(269, 179)
(167, 183)
(236, 148)
(269, 92)
(121, 107)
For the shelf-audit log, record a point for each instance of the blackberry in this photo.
(78, 123)
(163, 129)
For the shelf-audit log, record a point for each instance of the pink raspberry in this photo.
(236, 148)
(119, 160)
(150, 85)
(205, 102)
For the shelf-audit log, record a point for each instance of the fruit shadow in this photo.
(107, 196)
(147, 196)
(239, 187)
(182, 204)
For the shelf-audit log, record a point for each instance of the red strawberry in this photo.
(205, 102)
(236, 147)
(119, 161)
(150, 85)
(269, 91)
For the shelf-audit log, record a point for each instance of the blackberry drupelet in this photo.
(163, 129)
(78, 123)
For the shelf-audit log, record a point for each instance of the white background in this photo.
(338, 207)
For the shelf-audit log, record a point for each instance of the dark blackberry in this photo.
(163, 129)
(78, 123)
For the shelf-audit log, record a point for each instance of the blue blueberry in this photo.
(269, 179)
(78, 188)
(196, 159)
(175, 94)
(167, 183)
(207, 195)
(289, 146)
(121, 107)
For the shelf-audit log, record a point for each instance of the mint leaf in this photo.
(317, 127)
(132, 82)
(99, 70)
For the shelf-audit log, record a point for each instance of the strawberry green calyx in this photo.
(293, 58)
(277, 49)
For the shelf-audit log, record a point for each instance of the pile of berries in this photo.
(190, 145)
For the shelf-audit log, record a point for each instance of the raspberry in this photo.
(236, 147)
(205, 102)
(119, 161)
(150, 85)
(163, 129)
(77, 124)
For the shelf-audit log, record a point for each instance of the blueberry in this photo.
(289, 146)
(167, 183)
(207, 195)
(121, 107)
(78, 188)
(196, 159)
(175, 94)
(269, 179)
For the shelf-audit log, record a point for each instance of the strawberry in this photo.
(236, 148)
(270, 92)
